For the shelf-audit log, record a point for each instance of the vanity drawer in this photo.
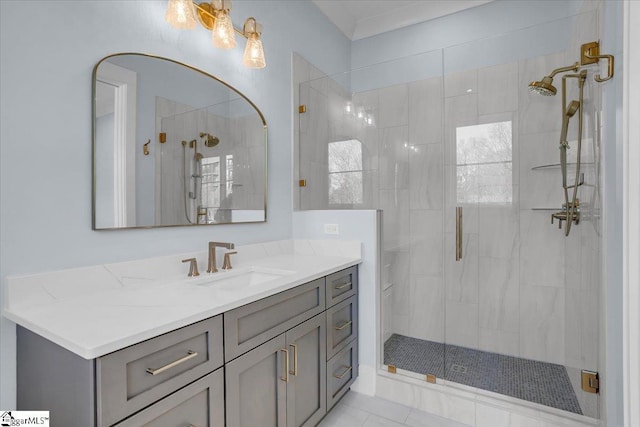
(137, 376)
(342, 325)
(249, 326)
(198, 404)
(341, 285)
(342, 371)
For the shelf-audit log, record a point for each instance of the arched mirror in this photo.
(173, 145)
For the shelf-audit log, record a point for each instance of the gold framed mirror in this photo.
(173, 146)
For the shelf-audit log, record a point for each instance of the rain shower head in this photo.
(543, 87)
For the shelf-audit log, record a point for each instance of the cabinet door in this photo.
(256, 386)
(306, 389)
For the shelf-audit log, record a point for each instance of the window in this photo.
(484, 163)
(345, 172)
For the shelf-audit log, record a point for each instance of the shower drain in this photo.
(459, 369)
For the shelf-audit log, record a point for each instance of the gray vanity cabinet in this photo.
(281, 383)
(282, 361)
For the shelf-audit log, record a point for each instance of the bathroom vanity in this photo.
(281, 358)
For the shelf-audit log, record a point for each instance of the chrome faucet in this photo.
(211, 267)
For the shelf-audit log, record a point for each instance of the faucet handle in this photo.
(193, 267)
(226, 265)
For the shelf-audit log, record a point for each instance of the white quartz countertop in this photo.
(107, 319)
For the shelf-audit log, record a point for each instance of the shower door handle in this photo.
(458, 233)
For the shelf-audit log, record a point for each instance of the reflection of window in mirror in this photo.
(211, 182)
(484, 163)
(229, 174)
(345, 172)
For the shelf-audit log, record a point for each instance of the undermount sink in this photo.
(243, 278)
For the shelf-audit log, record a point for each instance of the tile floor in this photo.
(359, 410)
(540, 382)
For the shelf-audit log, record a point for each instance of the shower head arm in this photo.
(575, 67)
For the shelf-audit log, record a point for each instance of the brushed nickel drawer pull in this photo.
(339, 328)
(343, 286)
(295, 359)
(343, 374)
(190, 355)
(286, 365)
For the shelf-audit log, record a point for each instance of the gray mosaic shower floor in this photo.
(544, 383)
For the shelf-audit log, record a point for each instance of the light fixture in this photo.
(223, 33)
(181, 14)
(214, 16)
(253, 52)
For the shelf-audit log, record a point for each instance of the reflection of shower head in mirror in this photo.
(209, 140)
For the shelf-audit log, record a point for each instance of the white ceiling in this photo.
(358, 19)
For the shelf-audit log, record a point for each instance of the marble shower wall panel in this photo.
(499, 233)
(395, 204)
(426, 176)
(462, 279)
(394, 158)
(426, 243)
(398, 261)
(542, 323)
(498, 89)
(499, 295)
(542, 262)
(394, 106)
(427, 313)
(369, 136)
(425, 111)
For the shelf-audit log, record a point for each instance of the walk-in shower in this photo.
(497, 301)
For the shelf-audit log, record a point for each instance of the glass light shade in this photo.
(223, 34)
(181, 14)
(253, 53)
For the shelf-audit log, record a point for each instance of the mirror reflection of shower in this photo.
(202, 196)
(191, 173)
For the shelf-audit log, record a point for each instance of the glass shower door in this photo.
(522, 302)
